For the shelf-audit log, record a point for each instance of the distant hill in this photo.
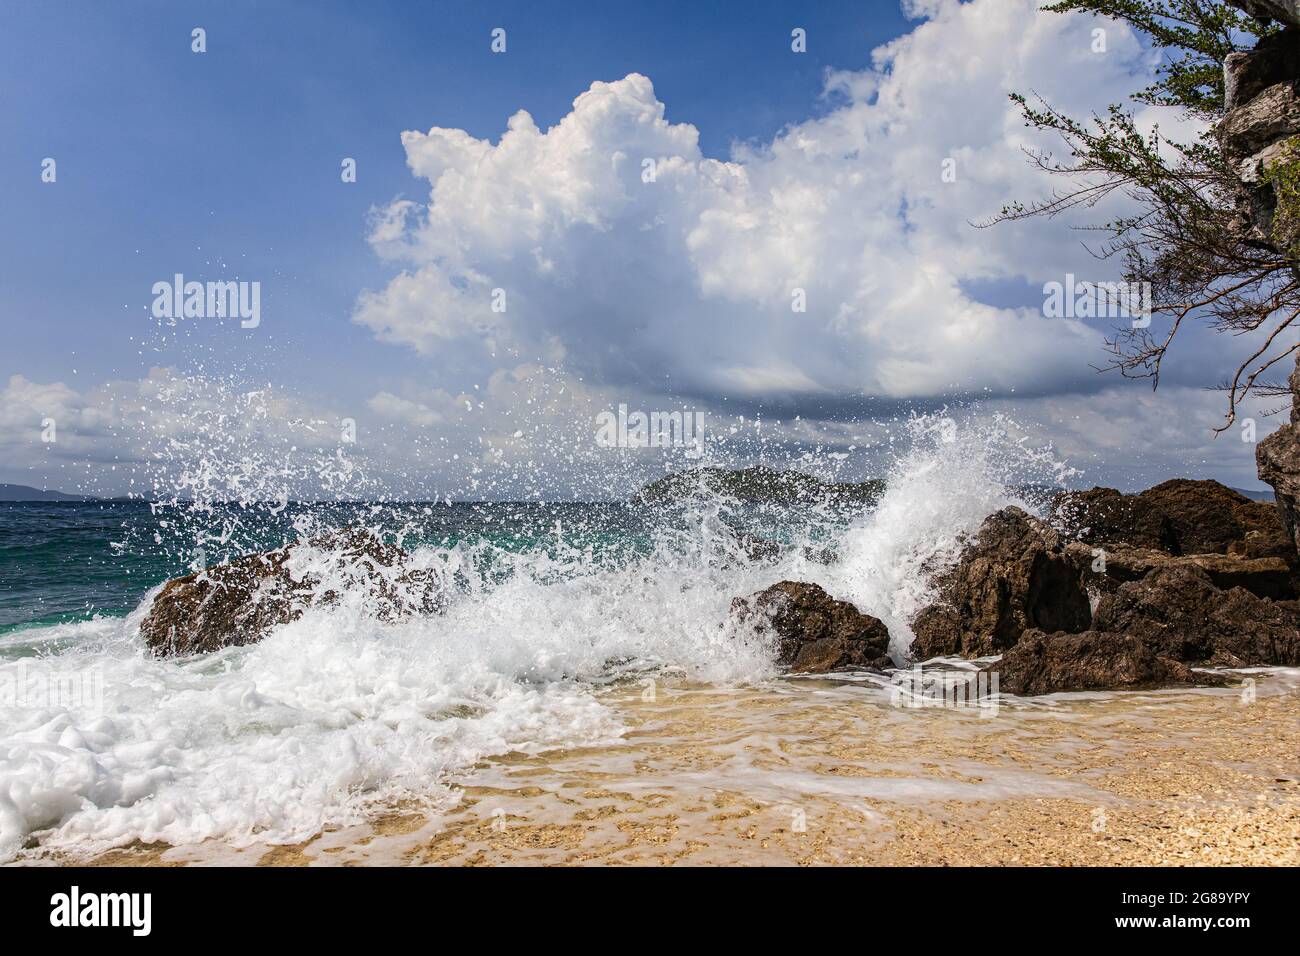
(24, 493)
(1265, 494)
(758, 484)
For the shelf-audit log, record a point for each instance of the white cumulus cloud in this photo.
(686, 282)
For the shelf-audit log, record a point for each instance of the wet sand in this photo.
(808, 771)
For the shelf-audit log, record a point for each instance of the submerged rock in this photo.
(1042, 663)
(758, 549)
(816, 634)
(1015, 575)
(1179, 613)
(758, 484)
(238, 602)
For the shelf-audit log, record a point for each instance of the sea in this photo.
(345, 710)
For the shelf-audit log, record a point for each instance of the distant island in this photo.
(758, 484)
(1263, 494)
(26, 493)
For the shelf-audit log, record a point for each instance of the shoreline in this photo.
(819, 771)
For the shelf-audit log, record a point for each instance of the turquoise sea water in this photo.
(70, 561)
(67, 561)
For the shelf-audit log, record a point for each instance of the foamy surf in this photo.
(340, 712)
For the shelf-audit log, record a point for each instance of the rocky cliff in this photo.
(1260, 136)
(1260, 129)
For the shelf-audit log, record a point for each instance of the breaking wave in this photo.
(343, 710)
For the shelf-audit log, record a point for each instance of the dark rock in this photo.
(1270, 115)
(1179, 613)
(1107, 516)
(1283, 11)
(1042, 663)
(1015, 575)
(1121, 538)
(228, 605)
(238, 602)
(1180, 516)
(1105, 568)
(816, 633)
(759, 550)
(1209, 518)
(1273, 543)
(1272, 61)
(1278, 460)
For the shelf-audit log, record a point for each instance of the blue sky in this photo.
(225, 164)
(170, 161)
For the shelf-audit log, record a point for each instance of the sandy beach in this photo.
(815, 772)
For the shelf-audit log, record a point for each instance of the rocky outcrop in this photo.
(1179, 613)
(1042, 663)
(238, 602)
(1015, 575)
(1180, 516)
(1119, 538)
(1106, 516)
(1270, 115)
(224, 606)
(816, 634)
(1260, 137)
(1248, 74)
(1278, 458)
(1105, 568)
(1207, 517)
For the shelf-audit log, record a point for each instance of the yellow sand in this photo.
(825, 772)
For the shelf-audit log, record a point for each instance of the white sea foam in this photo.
(339, 711)
(940, 490)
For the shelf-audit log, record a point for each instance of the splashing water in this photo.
(342, 710)
(938, 494)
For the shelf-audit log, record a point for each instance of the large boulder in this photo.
(815, 633)
(239, 602)
(1179, 613)
(1042, 663)
(1208, 517)
(1015, 575)
(1179, 516)
(223, 606)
